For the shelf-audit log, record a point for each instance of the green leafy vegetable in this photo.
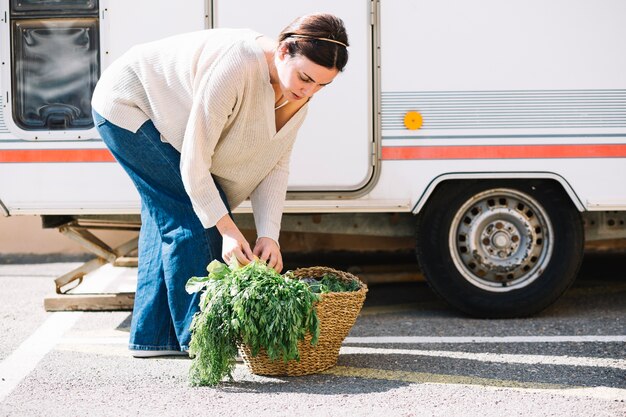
(254, 305)
(331, 283)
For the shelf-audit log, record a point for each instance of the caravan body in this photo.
(496, 123)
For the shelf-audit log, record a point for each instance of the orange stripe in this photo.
(56, 155)
(388, 153)
(503, 152)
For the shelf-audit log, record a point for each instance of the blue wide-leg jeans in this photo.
(173, 244)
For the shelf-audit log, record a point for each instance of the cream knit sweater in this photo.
(209, 95)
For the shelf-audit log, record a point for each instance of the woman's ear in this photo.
(282, 51)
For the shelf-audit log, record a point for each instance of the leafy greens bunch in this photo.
(331, 283)
(254, 305)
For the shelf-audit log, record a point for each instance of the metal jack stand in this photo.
(78, 230)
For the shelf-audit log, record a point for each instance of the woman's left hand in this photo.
(268, 251)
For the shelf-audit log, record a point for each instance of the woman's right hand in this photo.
(235, 245)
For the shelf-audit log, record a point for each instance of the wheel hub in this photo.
(499, 240)
(501, 237)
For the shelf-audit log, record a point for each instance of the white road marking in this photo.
(377, 340)
(495, 357)
(604, 393)
(15, 367)
(25, 358)
(481, 339)
(483, 357)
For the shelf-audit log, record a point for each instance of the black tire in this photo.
(500, 248)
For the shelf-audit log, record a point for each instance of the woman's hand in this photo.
(268, 251)
(235, 245)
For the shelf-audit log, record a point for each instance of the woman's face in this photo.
(299, 77)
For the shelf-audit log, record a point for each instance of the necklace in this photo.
(278, 106)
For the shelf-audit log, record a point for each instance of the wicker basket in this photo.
(336, 312)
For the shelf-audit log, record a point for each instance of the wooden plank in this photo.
(90, 242)
(607, 245)
(390, 277)
(90, 302)
(387, 273)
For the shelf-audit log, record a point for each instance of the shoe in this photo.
(140, 353)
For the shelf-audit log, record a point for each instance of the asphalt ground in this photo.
(409, 354)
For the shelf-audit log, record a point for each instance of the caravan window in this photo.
(55, 63)
(48, 7)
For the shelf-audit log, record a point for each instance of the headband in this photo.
(319, 39)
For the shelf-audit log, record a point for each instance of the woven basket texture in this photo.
(336, 312)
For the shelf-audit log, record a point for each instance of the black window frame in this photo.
(70, 110)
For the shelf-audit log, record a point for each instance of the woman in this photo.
(200, 122)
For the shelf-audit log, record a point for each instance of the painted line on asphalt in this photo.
(424, 378)
(527, 359)
(15, 367)
(495, 357)
(604, 393)
(483, 339)
(379, 340)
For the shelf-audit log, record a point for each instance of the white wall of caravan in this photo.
(127, 23)
(88, 188)
(65, 188)
(589, 183)
(455, 45)
(426, 46)
(495, 73)
(563, 50)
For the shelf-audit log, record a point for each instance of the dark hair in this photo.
(303, 36)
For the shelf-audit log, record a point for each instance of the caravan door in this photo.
(335, 146)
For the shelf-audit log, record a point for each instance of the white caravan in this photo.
(490, 128)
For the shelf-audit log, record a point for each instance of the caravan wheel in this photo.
(500, 249)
